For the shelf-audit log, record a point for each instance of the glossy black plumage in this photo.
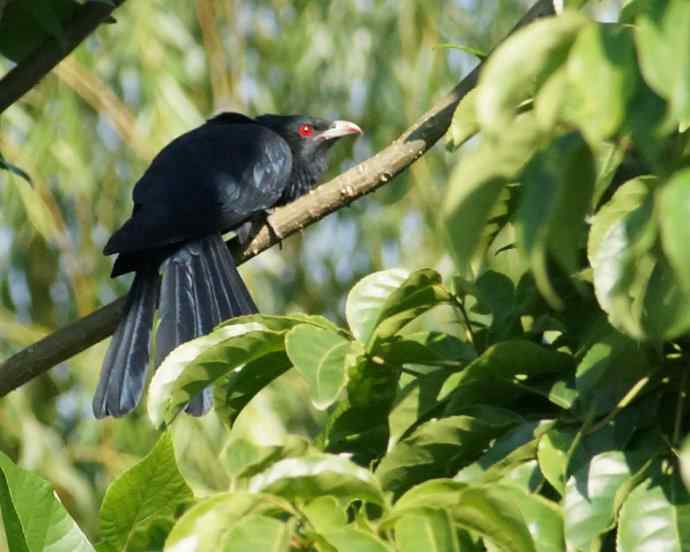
(208, 181)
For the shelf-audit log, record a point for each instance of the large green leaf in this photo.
(674, 220)
(429, 530)
(310, 477)
(439, 448)
(500, 373)
(552, 453)
(511, 72)
(322, 357)
(367, 297)
(476, 184)
(352, 539)
(593, 496)
(201, 361)
(620, 240)
(542, 517)
(663, 47)
(601, 77)
(510, 457)
(608, 371)
(558, 185)
(202, 527)
(464, 124)
(421, 291)
(257, 532)
(152, 488)
(359, 424)
(496, 512)
(656, 515)
(34, 518)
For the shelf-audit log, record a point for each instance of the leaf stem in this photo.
(469, 332)
(678, 423)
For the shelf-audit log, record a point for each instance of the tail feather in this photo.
(201, 288)
(124, 369)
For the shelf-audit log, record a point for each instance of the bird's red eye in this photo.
(305, 130)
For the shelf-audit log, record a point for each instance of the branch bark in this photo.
(327, 198)
(24, 76)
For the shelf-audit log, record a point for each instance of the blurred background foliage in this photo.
(89, 129)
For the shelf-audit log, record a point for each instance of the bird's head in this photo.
(309, 139)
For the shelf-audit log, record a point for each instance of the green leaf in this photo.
(34, 518)
(428, 530)
(433, 493)
(602, 78)
(663, 47)
(352, 539)
(359, 425)
(366, 299)
(557, 191)
(439, 448)
(621, 237)
(589, 502)
(152, 488)
(674, 220)
(552, 453)
(607, 372)
(203, 526)
(244, 458)
(257, 532)
(27, 25)
(464, 124)
(433, 348)
(201, 361)
(542, 517)
(497, 375)
(322, 357)
(656, 515)
(421, 291)
(508, 458)
(477, 182)
(308, 478)
(492, 511)
(325, 513)
(511, 72)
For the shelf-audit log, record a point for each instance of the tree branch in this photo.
(339, 192)
(24, 76)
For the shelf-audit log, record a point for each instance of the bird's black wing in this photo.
(207, 181)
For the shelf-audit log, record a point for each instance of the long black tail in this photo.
(124, 369)
(201, 287)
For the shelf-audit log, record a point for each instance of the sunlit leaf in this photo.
(511, 72)
(34, 518)
(310, 477)
(322, 357)
(152, 488)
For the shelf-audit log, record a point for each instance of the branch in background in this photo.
(41, 61)
(327, 198)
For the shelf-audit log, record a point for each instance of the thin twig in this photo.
(327, 198)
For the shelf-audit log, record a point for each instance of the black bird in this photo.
(213, 179)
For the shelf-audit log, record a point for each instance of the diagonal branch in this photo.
(24, 76)
(339, 192)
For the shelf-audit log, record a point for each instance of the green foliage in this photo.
(534, 400)
(34, 519)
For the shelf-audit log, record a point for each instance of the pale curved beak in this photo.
(338, 129)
